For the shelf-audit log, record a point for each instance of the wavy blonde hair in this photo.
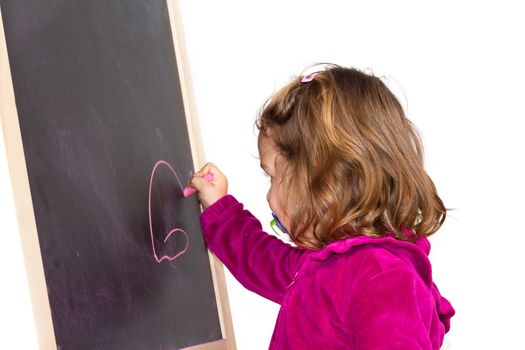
(357, 161)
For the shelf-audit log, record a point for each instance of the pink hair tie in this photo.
(308, 78)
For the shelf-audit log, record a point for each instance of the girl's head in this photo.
(344, 161)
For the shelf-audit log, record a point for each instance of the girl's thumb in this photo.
(198, 182)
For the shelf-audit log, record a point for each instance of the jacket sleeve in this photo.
(259, 261)
(393, 309)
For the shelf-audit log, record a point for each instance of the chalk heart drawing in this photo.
(174, 231)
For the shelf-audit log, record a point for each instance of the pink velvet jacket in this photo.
(355, 293)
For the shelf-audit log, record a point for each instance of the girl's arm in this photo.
(260, 262)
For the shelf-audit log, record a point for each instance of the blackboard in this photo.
(100, 107)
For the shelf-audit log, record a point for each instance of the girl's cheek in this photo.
(272, 201)
(275, 206)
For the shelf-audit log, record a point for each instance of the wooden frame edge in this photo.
(23, 203)
(217, 267)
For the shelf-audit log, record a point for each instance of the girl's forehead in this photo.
(264, 144)
(267, 151)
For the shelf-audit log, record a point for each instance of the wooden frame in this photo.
(24, 205)
(217, 268)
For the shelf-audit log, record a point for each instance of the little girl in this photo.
(348, 186)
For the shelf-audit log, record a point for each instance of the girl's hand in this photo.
(209, 192)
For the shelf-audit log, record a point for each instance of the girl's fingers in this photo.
(209, 168)
(209, 188)
(199, 183)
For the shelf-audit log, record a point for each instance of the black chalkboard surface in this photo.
(99, 105)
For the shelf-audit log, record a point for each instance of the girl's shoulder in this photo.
(379, 254)
(364, 264)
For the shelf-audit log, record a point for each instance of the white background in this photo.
(457, 67)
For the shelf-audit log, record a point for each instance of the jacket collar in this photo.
(414, 252)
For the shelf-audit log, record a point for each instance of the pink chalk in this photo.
(188, 191)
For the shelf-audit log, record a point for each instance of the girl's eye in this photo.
(265, 174)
